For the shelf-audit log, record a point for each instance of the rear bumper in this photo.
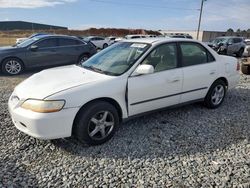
(44, 125)
(233, 81)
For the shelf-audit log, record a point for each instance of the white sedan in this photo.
(129, 78)
(99, 42)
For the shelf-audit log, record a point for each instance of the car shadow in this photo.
(183, 131)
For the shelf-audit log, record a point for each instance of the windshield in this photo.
(27, 42)
(219, 40)
(116, 59)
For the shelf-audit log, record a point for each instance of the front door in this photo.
(46, 53)
(159, 89)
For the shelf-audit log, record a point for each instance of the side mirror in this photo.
(144, 69)
(229, 43)
(33, 48)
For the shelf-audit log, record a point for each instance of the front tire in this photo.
(83, 58)
(215, 95)
(96, 123)
(105, 46)
(240, 52)
(12, 66)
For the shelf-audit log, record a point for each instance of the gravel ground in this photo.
(186, 147)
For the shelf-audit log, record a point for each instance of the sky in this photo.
(218, 15)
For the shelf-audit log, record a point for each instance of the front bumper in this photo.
(43, 125)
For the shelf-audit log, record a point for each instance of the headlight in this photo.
(43, 106)
(222, 48)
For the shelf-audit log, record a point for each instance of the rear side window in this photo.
(98, 38)
(68, 42)
(47, 43)
(135, 37)
(194, 54)
(237, 40)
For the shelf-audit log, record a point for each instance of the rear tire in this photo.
(12, 66)
(105, 46)
(215, 95)
(240, 52)
(96, 123)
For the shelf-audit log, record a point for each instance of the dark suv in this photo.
(228, 45)
(48, 50)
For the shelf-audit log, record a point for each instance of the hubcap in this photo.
(13, 67)
(83, 59)
(101, 125)
(218, 94)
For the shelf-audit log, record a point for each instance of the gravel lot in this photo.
(186, 147)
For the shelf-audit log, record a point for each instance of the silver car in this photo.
(229, 45)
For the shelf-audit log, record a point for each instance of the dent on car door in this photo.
(199, 71)
(44, 53)
(159, 89)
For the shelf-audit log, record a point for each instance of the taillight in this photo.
(238, 66)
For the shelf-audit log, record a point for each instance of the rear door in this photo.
(199, 70)
(98, 42)
(233, 46)
(70, 50)
(46, 53)
(159, 89)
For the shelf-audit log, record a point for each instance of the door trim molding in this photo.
(158, 98)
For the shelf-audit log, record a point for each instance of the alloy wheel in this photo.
(218, 95)
(101, 125)
(13, 67)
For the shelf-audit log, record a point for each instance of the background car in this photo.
(40, 51)
(181, 35)
(111, 39)
(246, 52)
(228, 45)
(135, 36)
(19, 40)
(99, 42)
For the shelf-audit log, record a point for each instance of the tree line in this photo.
(230, 30)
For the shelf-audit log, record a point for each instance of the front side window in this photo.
(47, 43)
(194, 54)
(163, 57)
(116, 59)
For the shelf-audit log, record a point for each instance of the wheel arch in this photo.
(9, 57)
(220, 78)
(106, 99)
(223, 79)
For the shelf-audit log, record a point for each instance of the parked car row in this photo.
(230, 45)
(44, 50)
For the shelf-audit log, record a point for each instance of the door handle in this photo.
(173, 80)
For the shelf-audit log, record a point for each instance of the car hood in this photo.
(51, 81)
(8, 49)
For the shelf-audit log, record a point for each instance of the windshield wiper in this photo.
(95, 69)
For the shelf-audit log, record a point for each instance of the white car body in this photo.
(78, 86)
(99, 42)
(246, 52)
(19, 40)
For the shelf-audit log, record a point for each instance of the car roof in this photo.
(94, 36)
(51, 35)
(157, 40)
(229, 37)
